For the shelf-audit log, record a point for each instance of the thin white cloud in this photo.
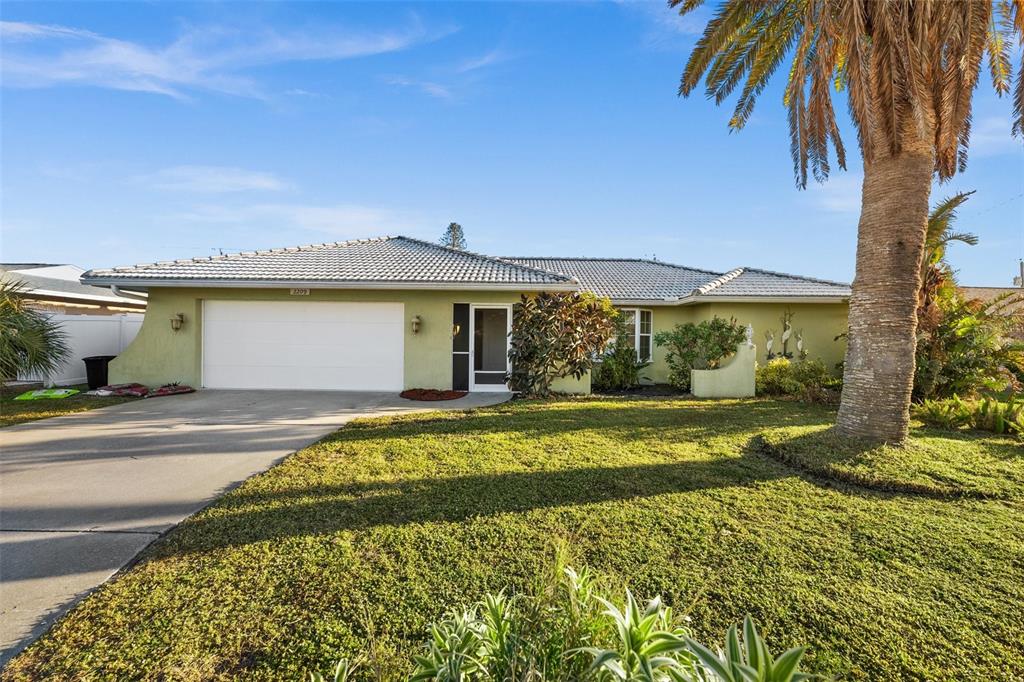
(666, 29)
(339, 220)
(427, 87)
(495, 56)
(840, 194)
(213, 179)
(206, 58)
(991, 137)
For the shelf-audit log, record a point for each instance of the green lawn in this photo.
(20, 411)
(354, 545)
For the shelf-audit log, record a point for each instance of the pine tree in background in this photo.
(454, 238)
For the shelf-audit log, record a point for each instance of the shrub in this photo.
(618, 368)
(986, 414)
(565, 631)
(556, 335)
(807, 380)
(698, 346)
(30, 342)
(968, 348)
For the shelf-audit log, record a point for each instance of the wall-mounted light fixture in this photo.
(456, 328)
(416, 322)
(177, 321)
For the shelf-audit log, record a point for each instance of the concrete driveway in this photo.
(81, 495)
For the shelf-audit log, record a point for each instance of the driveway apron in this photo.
(81, 495)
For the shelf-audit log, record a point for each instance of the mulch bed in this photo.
(431, 394)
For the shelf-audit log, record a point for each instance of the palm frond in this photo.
(30, 342)
(908, 68)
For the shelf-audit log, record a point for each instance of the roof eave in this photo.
(88, 298)
(692, 300)
(137, 283)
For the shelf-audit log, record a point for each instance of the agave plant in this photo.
(30, 342)
(456, 650)
(648, 647)
(749, 662)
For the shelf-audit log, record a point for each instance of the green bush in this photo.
(698, 346)
(807, 380)
(969, 348)
(986, 414)
(618, 368)
(565, 631)
(556, 335)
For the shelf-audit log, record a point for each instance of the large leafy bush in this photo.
(969, 347)
(807, 380)
(557, 335)
(30, 342)
(698, 346)
(618, 368)
(564, 630)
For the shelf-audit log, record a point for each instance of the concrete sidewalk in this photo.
(81, 495)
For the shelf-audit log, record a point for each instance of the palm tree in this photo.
(30, 342)
(908, 69)
(936, 273)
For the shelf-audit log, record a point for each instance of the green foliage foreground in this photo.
(565, 632)
(354, 546)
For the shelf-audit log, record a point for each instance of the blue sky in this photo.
(147, 131)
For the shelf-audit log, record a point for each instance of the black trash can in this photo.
(96, 370)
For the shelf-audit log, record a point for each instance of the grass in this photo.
(935, 462)
(20, 411)
(354, 545)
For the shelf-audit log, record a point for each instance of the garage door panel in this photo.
(269, 354)
(237, 347)
(304, 378)
(303, 345)
(278, 331)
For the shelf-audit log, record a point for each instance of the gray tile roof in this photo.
(384, 260)
(402, 261)
(626, 279)
(745, 282)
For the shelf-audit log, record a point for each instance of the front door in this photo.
(490, 327)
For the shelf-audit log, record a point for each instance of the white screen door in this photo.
(490, 327)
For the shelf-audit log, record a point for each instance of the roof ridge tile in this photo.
(715, 283)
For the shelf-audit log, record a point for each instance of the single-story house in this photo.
(393, 313)
(95, 320)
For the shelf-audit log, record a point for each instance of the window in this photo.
(639, 324)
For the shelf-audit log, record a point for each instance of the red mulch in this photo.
(431, 394)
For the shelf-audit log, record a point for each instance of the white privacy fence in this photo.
(90, 335)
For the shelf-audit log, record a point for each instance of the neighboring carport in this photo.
(83, 494)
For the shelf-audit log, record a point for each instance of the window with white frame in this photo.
(639, 325)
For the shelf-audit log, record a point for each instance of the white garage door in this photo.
(303, 345)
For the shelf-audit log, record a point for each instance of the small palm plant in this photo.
(749, 662)
(30, 342)
(456, 649)
(648, 646)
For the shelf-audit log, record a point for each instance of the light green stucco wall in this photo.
(159, 355)
(821, 323)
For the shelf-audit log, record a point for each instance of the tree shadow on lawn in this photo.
(245, 517)
(635, 420)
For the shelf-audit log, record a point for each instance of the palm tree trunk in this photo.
(879, 370)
